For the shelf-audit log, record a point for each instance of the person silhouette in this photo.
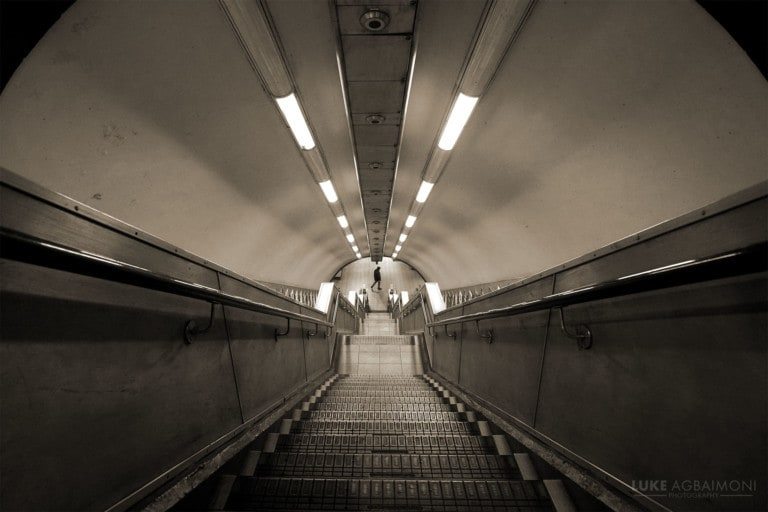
(376, 277)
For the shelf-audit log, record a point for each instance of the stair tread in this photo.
(393, 442)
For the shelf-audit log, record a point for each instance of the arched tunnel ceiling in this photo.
(151, 113)
(604, 118)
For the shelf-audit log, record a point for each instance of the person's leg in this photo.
(379, 281)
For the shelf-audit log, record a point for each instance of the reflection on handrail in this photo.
(28, 249)
(748, 260)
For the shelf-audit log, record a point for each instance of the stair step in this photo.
(365, 442)
(392, 443)
(382, 427)
(358, 339)
(351, 465)
(356, 494)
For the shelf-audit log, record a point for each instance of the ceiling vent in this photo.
(375, 119)
(374, 165)
(374, 20)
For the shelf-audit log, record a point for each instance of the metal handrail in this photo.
(346, 305)
(748, 260)
(412, 304)
(18, 246)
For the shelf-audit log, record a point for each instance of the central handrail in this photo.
(18, 246)
(751, 259)
(345, 304)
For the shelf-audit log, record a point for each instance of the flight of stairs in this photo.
(384, 441)
(378, 324)
(377, 300)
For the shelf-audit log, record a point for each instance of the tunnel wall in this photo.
(99, 393)
(673, 388)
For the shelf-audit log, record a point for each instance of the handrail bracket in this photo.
(191, 330)
(582, 335)
(488, 336)
(278, 334)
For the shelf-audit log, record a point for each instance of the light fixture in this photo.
(354, 248)
(462, 109)
(351, 238)
(398, 247)
(424, 190)
(329, 191)
(343, 222)
(410, 221)
(403, 236)
(289, 106)
(394, 255)
(358, 255)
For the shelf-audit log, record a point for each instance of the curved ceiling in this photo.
(155, 116)
(604, 118)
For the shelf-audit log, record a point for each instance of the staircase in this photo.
(378, 324)
(381, 435)
(377, 300)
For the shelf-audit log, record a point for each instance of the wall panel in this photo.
(673, 387)
(99, 392)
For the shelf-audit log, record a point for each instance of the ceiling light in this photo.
(343, 222)
(403, 236)
(354, 248)
(289, 106)
(394, 255)
(424, 190)
(328, 190)
(458, 117)
(398, 247)
(351, 238)
(410, 221)
(358, 255)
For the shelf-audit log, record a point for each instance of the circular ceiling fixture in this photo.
(374, 165)
(375, 119)
(374, 20)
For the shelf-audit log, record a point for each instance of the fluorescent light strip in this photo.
(394, 255)
(358, 255)
(410, 221)
(354, 248)
(398, 247)
(424, 190)
(403, 236)
(462, 109)
(329, 191)
(289, 106)
(351, 238)
(343, 222)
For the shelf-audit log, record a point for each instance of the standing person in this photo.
(377, 277)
